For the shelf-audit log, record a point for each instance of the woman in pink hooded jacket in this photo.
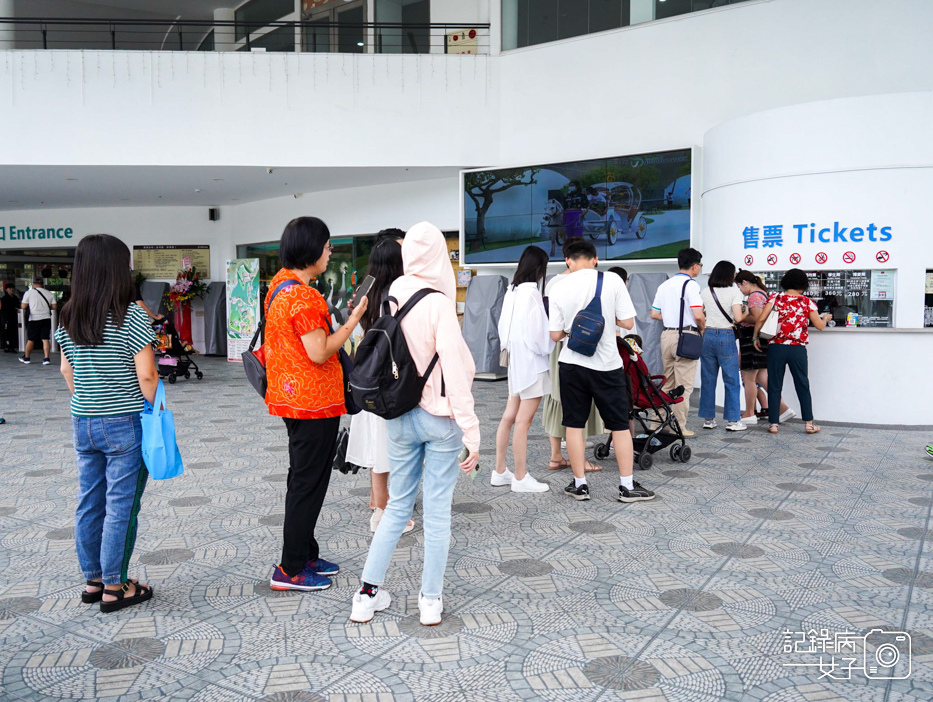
(427, 440)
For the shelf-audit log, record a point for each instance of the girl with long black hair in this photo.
(108, 364)
(523, 329)
(368, 446)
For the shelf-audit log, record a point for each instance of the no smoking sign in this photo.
(772, 259)
(848, 257)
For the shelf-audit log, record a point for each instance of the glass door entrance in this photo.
(337, 26)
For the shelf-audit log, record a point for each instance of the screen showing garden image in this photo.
(630, 207)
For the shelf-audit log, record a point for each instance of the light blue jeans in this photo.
(111, 478)
(419, 443)
(719, 352)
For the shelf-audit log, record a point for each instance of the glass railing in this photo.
(531, 22)
(193, 35)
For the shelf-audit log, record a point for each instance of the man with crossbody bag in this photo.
(40, 304)
(678, 305)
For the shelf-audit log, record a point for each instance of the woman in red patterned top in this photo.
(789, 347)
(305, 388)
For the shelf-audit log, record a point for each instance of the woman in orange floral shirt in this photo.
(305, 389)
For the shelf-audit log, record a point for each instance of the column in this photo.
(641, 11)
(509, 25)
(7, 31)
(224, 35)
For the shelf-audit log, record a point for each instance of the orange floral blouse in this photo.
(298, 387)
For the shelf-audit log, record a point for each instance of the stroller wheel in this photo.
(602, 451)
(198, 375)
(187, 375)
(685, 454)
(172, 378)
(675, 452)
(645, 461)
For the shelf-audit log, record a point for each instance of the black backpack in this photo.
(384, 379)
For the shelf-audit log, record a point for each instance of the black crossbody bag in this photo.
(689, 346)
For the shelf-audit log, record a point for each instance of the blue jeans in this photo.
(781, 357)
(111, 478)
(719, 352)
(418, 443)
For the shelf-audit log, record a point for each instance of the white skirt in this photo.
(540, 388)
(368, 445)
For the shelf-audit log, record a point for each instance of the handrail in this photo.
(373, 37)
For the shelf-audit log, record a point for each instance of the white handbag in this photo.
(769, 329)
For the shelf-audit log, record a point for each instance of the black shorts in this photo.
(39, 330)
(580, 387)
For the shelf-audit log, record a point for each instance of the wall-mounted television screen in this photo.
(630, 207)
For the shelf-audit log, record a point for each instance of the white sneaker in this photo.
(431, 609)
(736, 426)
(377, 517)
(787, 415)
(749, 420)
(529, 484)
(710, 424)
(365, 607)
(497, 479)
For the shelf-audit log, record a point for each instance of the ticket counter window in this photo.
(928, 300)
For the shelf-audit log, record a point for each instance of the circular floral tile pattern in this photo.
(690, 600)
(166, 556)
(737, 550)
(66, 534)
(777, 515)
(42, 472)
(12, 607)
(526, 568)
(678, 473)
(281, 478)
(796, 487)
(357, 491)
(921, 501)
(903, 576)
(272, 520)
(7, 511)
(471, 508)
(621, 673)
(126, 653)
(535, 570)
(591, 527)
(449, 626)
(301, 696)
(817, 466)
(915, 533)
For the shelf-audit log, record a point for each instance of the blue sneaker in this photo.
(322, 567)
(305, 580)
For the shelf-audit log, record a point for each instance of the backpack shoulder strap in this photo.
(599, 283)
(415, 299)
(683, 300)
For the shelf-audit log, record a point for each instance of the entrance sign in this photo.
(848, 257)
(163, 262)
(242, 305)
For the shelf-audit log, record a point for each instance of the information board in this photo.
(163, 261)
(855, 298)
(242, 305)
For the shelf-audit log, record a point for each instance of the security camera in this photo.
(269, 171)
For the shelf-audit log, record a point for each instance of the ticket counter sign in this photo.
(242, 305)
(882, 285)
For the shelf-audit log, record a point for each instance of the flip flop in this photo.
(813, 429)
(143, 593)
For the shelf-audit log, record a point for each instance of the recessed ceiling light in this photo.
(197, 190)
(235, 199)
(218, 180)
(70, 178)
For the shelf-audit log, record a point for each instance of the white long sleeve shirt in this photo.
(523, 330)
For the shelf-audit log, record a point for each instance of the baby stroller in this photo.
(655, 425)
(174, 360)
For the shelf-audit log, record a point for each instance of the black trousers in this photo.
(9, 333)
(312, 444)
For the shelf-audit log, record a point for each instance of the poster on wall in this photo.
(630, 207)
(242, 305)
(163, 261)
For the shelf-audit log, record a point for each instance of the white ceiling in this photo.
(52, 187)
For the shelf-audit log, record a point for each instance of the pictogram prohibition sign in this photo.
(821, 257)
(795, 258)
(848, 257)
(772, 259)
(882, 256)
(749, 260)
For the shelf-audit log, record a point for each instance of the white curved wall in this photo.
(855, 162)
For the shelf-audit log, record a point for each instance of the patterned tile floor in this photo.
(684, 598)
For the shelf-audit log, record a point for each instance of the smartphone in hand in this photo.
(362, 291)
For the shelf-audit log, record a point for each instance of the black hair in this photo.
(101, 289)
(749, 277)
(303, 242)
(795, 279)
(723, 275)
(385, 265)
(391, 233)
(9, 286)
(688, 257)
(574, 182)
(636, 339)
(532, 266)
(621, 272)
(578, 248)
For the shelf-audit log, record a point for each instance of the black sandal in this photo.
(92, 597)
(143, 593)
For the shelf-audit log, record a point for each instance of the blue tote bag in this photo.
(160, 450)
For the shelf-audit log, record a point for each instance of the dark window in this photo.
(350, 33)
(541, 21)
(609, 14)
(672, 8)
(572, 18)
(417, 40)
(207, 43)
(282, 39)
(256, 14)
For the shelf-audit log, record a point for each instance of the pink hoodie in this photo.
(432, 326)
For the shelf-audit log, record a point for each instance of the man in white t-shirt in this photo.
(40, 303)
(599, 378)
(666, 307)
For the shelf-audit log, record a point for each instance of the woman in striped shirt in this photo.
(108, 364)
